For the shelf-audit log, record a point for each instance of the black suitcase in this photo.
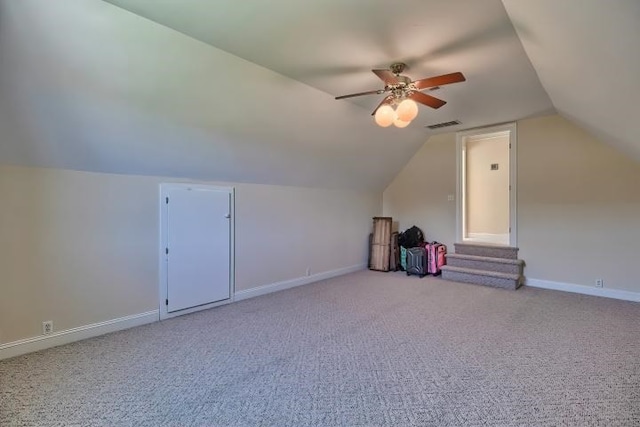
(417, 261)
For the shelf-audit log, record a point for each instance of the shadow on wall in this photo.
(419, 195)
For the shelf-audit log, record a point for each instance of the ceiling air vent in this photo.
(444, 124)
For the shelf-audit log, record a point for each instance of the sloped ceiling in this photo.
(244, 90)
(332, 45)
(587, 56)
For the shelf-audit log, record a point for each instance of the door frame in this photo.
(461, 138)
(163, 284)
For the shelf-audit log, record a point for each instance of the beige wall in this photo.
(80, 248)
(487, 190)
(578, 203)
(578, 206)
(418, 194)
(282, 231)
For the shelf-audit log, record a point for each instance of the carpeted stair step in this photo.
(501, 265)
(486, 250)
(482, 277)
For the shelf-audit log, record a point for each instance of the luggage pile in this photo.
(407, 251)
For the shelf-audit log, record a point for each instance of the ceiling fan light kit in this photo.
(407, 110)
(385, 116)
(404, 95)
(400, 124)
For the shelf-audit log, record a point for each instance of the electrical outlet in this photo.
(599, 283)
(450, 197)
(308, 271)
(47, 327)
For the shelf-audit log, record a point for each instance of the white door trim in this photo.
(165, 188)
(488, 132)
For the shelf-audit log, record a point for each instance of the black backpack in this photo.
(411, 238)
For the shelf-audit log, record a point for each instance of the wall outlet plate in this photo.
(599, 283)
(47, 327)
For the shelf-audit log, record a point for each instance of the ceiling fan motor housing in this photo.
(403, 80)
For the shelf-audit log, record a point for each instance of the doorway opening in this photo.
(486, 190)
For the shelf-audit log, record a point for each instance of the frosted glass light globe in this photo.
(407, 110)
(385, 116)
(400, 123)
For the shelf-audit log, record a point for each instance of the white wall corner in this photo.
(585, 290)
(292, 283)
(29, 345)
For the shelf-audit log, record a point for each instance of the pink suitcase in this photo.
(435, 257)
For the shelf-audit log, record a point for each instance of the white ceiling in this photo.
(243, 90)
(332, 45)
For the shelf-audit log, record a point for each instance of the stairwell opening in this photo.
(486, 185)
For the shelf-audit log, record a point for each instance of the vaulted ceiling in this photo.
(587, 57)
(244, 90)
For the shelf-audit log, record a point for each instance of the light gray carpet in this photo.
(367, 349)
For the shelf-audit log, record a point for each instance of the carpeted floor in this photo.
(366, 349)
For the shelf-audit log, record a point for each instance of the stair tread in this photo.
(481, 272)
(487, 245)
(485, 258)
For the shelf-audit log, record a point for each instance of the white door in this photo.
(198, 237)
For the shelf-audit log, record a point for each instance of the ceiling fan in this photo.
(403, 91)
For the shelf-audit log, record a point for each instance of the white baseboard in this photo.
(586, 290)
(29, 345)
(305, 280)
(17, 348)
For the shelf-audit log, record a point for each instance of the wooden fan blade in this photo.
(386, 100)
(428, 100)
(386, 76)
(445, 79)
(371, 92)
